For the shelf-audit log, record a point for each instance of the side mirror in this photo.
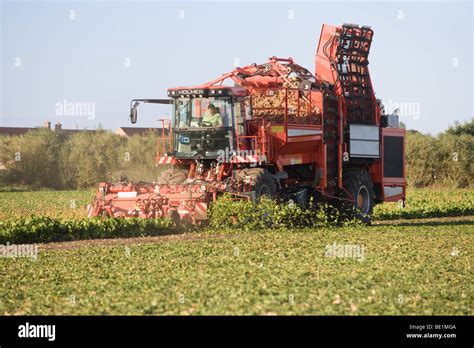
(133, 115)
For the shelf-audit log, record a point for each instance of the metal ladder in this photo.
(353, 73)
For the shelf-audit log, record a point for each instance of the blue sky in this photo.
(105, 53)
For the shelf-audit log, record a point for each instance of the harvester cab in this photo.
(203, 121)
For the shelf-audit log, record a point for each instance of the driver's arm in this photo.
(214, 120)
(206, 118)
(218, 120)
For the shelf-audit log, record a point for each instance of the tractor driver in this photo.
(212, 118)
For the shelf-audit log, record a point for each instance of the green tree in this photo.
(33, 159)
(455, 163)
(421, 158)
(89, 158)
(459, 129)
(138, 158)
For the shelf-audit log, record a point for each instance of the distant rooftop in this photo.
(14, 130)
(122, 131)
(46, 125)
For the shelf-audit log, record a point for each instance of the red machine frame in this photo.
(339, 94)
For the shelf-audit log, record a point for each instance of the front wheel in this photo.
(360, 186)
(173, 176)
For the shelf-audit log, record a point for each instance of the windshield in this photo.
(200, 126)
(202, 112)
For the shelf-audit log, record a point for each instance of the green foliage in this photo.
(42, 229)
(246, 215)
(14, 188)
(63, 217)
(47, 159)
(90, 158)
(138, 157)
(421, 159)
(420, 203)
(239, 272)
(33, 159)
(428, 203)
(459, 129)
(446, 160)
(456, 160)
(227, 212)
(57, 204)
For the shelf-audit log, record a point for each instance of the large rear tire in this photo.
(360, 186)
(261, 181)
(173, 176)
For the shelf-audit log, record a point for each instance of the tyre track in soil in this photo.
(189, 237)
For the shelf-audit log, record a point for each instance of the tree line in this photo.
(51, 159)
(43, 158)
(443, 160)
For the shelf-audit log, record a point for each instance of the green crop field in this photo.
(60, 204)
(418, 265)
(421, 203)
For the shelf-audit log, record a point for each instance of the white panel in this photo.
(362, 148)
(298, 131)
(392, 191)
(364, 132)
(126, 194)
(364, 141)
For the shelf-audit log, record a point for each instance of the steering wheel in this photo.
(205, 123)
